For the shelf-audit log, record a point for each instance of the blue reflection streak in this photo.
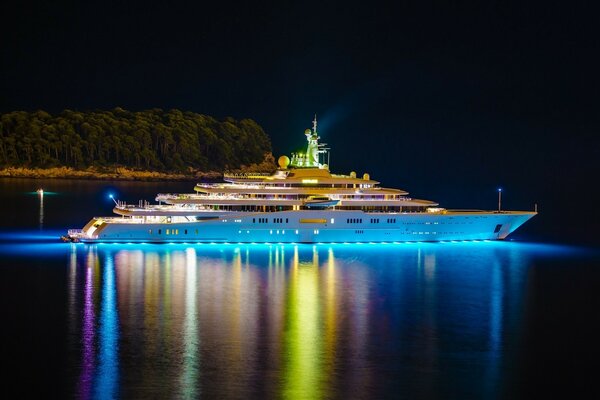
(108, 369)
(496, 292)
(495, 340)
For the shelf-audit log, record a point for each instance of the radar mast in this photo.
(311, 159)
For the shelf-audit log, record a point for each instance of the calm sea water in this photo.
(447, 320)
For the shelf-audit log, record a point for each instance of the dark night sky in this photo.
(447, 102)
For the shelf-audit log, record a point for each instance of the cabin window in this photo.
(253, 220)
(150, 231)
(185, 231)
(286, 220)
(167, 232)
(159, 231)
(196, 231)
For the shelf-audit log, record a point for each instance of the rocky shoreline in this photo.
(119, 173)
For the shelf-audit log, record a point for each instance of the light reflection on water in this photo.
(293, 321)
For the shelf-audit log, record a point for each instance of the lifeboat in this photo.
(320, 202)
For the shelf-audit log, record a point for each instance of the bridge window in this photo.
(498, 227)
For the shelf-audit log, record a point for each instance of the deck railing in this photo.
(246, 175)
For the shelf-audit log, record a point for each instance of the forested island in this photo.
(120, 144)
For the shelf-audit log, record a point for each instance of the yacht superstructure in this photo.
(302, 202)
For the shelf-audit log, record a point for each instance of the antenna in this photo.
(315, 124)
(499, 199)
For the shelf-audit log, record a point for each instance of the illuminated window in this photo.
(167, 232)
(332, 220)
(150, 231)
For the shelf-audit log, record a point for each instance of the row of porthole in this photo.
(271, 231)
(266, 220)
(170, 231)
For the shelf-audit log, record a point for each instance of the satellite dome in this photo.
(308, 132)
(366, 176)
(352, 174)
(283, 162)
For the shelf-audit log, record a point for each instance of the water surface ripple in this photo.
(416, 320)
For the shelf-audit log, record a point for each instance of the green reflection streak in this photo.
(189, 376)
(303, 333)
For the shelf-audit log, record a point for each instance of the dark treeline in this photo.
(152, 140)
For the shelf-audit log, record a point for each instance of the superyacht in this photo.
(302, 202)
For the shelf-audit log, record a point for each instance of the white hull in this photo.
(308, 226)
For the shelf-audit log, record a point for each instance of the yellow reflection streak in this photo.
(330, 314)
(302, 341)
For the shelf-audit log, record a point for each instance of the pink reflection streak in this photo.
(88, 336)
